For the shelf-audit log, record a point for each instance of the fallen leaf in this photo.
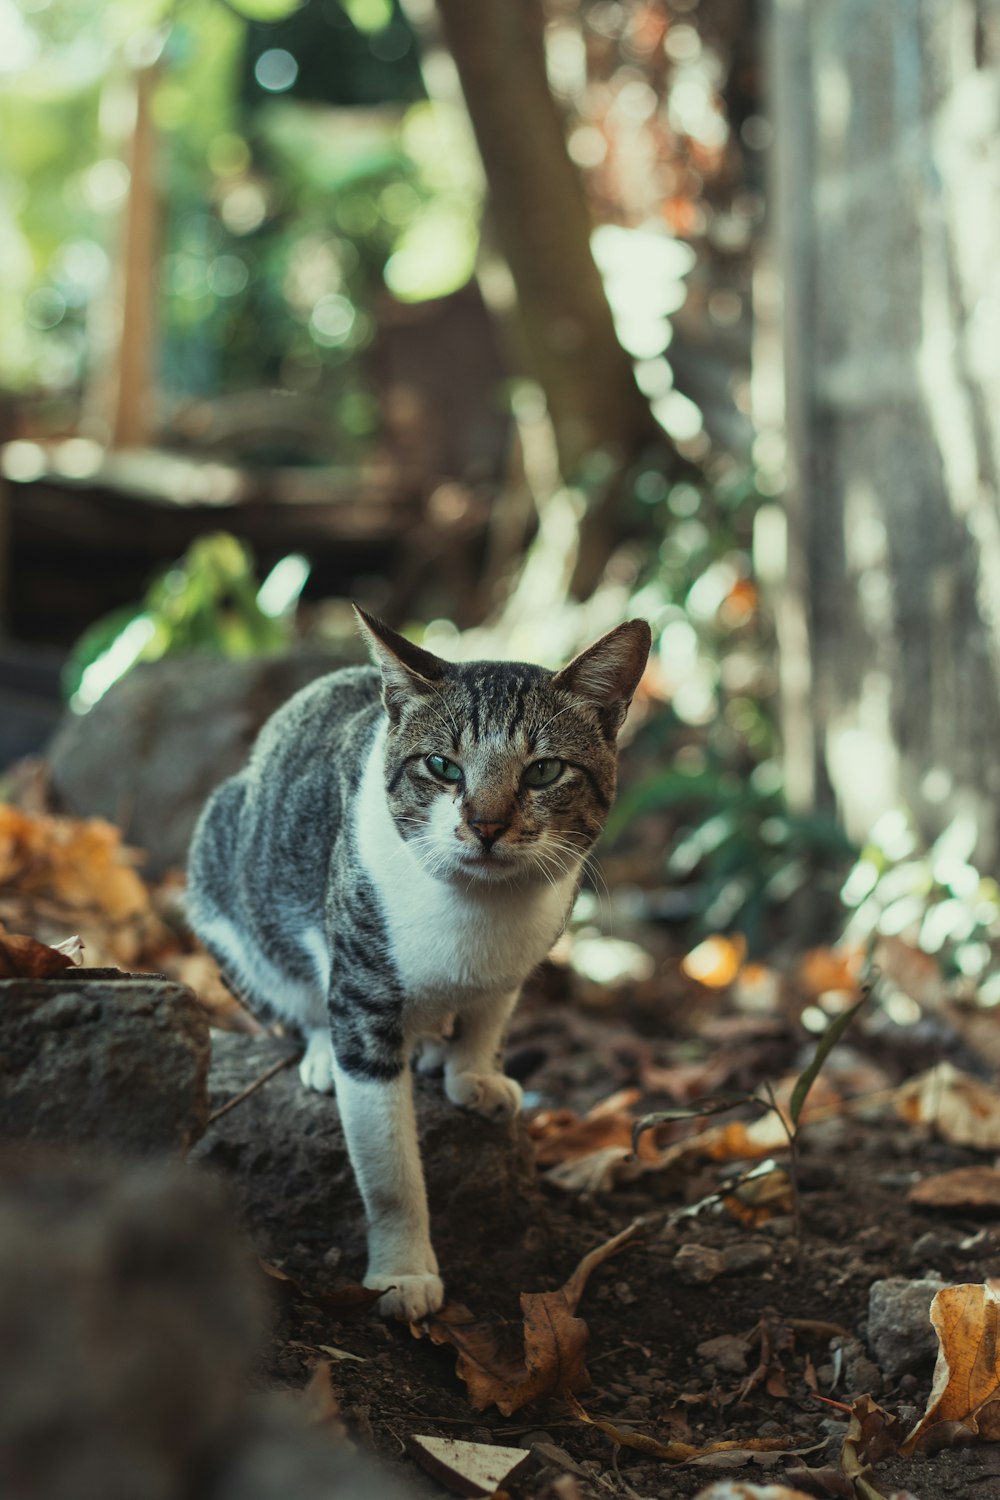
(761, 1198)
(335, 1353)
(343, 1302)
(550, 1357)
(965, 1187)
(966, 1386)
(962, 1109)
(472, 1469)
(872, 1434)
(590, 1153)
(675, 1452)
(821, 970)
(25, 958)
(80, 861)
(717, 961)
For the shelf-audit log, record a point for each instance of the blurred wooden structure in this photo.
(888, 197)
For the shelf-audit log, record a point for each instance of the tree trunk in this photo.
(543, 228)
(889, 214)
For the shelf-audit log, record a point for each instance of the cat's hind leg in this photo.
(432, 1051)
(473, 1073)
(316, 1065)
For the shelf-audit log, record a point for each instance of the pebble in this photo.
(900, 1333)
(748, 1255)
(696, 1265)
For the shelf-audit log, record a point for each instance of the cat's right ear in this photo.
(406, 669)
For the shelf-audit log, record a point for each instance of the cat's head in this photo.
(500, 771)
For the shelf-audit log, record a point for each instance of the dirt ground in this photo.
(774, 1345)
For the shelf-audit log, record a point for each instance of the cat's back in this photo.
(273, 825)
(330, 718)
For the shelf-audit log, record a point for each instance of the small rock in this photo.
(696, 1265)
(747, 1255)
(859, 1375)
(727, 1352)
(120, 1064)
(930, 1249)
(900, 1333)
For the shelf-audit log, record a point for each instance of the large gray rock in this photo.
(283, 1151)
(151, 750)
(130, 1319)
(900, 1333)
(120, 1064)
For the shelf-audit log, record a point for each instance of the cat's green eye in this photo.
(543, 772)
(444, 769)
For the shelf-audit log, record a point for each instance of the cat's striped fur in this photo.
(401, 851)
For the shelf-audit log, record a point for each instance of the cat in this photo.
(402, 849)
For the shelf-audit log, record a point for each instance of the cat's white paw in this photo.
(316, 1067)
(409, 1297)
(430, 1055)
(492, 1095)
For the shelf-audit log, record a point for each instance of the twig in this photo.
(616, 1448)
(251, 1088)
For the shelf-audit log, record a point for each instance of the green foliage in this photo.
(737, 847)
(936, 898)
(207, 602)
(285, 220)
(706, 761)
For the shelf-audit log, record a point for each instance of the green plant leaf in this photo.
(266, 10)
(827, 1042)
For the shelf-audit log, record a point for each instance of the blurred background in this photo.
(510, 321)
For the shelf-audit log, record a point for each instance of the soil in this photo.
(802, 1298)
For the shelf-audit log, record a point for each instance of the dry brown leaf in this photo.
(200, 972)
(761, 1198)
(590, 1153)
(675, 1452)
(965, 1187)
(80, 862)
(344, 1302)
(552, 1342)
(821, 970)
(962, 1109)
(717, 961)
(966, 1388)
(24, 957)
(872, 1434)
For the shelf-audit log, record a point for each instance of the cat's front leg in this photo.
(381, 1132)
(473, 1072)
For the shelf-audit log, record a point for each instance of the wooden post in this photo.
(133, 375)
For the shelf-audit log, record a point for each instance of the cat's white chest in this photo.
(447, 942)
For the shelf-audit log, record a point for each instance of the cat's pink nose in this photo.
(487, 833)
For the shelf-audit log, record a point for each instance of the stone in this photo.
(117, 1063)
(134, 1317)
(900, 1333)
(131, 1321)
(150, 751)
(696, 1265)
(283, 1151)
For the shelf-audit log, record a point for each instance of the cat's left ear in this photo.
(406, 669)
(608, 672)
